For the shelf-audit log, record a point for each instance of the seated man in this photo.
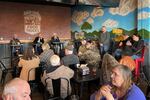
(16, 89)
(46, 54)
(56, 71)
(37, 43)
(91, 55)
(55, 43)
(82, 48)
(69, 58)
(16, 47)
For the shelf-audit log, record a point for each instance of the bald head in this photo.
(16, 89)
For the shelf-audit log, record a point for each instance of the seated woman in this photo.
(137, 46)
(120, 88)
(56, 71)
(27, 62)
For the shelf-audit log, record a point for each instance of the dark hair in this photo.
(28, 53)
(89, 41)
(137, 35)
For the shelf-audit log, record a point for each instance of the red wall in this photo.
(53, 19)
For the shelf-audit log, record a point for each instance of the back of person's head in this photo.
(29, 53)
(69, 49)
(88, 44)
(126, 74)
(45, 46)
(55, 60)
(16, 89)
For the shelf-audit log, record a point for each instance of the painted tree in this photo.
(86, 26)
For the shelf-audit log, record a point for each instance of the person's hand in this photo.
(8, 97)
(80, 53)
(98, 95)
(106, 92)
(128, 43)
(120, 44)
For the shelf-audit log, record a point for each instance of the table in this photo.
(81, 80)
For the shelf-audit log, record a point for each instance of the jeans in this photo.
(104, 49)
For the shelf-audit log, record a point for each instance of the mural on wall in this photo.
(90, 19)
(32, 22)
(144, 18)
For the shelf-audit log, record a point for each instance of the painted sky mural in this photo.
(144, 14)
(124, 16)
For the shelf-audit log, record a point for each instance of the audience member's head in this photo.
(125, 36)
(69, 50)
(45, 46)
(136, 37)
(29, 53)
(121, 77)
(89, 44)
(16, 89)
(83, 42)
(55, 60)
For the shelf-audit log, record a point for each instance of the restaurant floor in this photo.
(86, 93)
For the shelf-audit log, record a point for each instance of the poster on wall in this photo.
(32, 22)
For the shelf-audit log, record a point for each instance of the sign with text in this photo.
(32, 22)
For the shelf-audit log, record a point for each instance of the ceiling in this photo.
(101, 3)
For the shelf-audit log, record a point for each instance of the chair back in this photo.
(56, 86)
(2, 66)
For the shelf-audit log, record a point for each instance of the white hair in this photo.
(55, 60)
(9, 90)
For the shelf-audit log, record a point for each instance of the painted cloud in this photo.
(110, 23)
(125, 7)
(143, 3)
(97, 12)
(90, 20)
(79, 16)
(143, 15)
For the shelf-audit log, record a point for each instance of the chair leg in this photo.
(147, 91)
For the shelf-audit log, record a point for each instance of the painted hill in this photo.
(144, 33)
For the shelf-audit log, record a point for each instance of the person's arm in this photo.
(139, 46)
(105, 91)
